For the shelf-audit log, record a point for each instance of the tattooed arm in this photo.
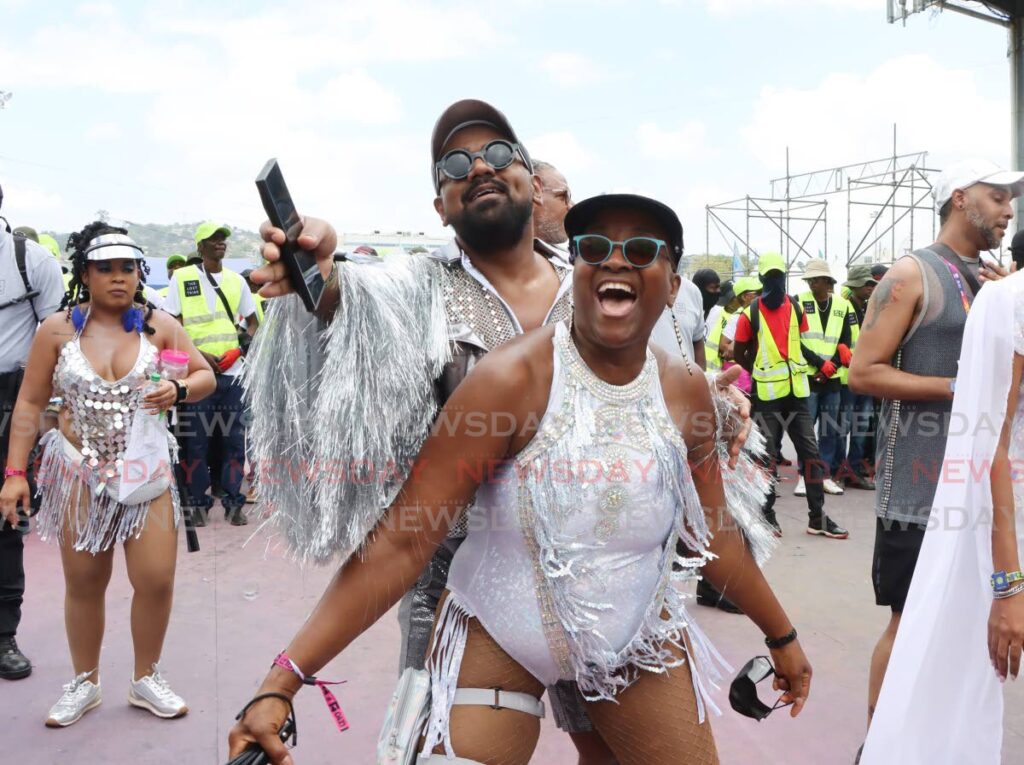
(891, 312)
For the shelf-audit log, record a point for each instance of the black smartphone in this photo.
(303, 270)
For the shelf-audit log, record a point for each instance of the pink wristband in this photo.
(14, 473)
(333, 706)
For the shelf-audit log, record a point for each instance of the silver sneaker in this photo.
(153, 693)
(80, 695)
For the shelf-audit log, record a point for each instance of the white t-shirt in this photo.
(689, 311)
(729, 333)
(17, 322)
(153, 296)
(246, 306)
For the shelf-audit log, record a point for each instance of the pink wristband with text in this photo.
(333, 706)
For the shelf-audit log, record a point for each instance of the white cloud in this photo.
(570, 70)
(104, 131)
(732, 7)
(96, 10)
(849, 117)
(563, 150)
(357, 97)
(221, 93)
(25, 205)
(686, 142)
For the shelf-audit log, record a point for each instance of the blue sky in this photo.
(166, 111)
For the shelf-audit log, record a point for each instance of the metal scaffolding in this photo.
(798, 224)
(1006, 13)
(895, 193)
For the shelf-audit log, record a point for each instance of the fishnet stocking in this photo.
(492, 736)
(654, 722)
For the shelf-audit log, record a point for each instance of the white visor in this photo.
(113, 247)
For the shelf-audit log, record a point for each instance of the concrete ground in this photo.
(237, 605)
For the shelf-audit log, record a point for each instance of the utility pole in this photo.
(1005, 13)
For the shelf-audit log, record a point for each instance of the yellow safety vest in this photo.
(714, 339)
(844, 372)
(258, 300)
(67, 280)
(215, 333)
(774, 376)
(823, 337)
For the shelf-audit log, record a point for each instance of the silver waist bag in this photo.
(405, 719)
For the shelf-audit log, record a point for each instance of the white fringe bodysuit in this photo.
(568, 563)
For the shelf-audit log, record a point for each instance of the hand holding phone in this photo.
(254, 755)
(991, 271)
(302, 266)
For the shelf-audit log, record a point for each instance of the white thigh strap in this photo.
(440, 759)
(498, 699)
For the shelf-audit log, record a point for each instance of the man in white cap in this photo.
(907, 355)
(826, 345)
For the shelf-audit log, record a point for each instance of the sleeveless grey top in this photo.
(912, 434)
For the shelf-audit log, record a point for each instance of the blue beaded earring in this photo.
(132, 320)
(77, 319)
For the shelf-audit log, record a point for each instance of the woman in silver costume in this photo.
(105, 476)
(603, 456)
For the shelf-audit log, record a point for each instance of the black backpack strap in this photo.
(232, 317)
(20, 258)
(755, 314)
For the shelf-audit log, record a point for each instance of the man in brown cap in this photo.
(496, 281)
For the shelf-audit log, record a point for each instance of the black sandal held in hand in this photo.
(254, 754)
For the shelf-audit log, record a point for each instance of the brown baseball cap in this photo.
(463, 114)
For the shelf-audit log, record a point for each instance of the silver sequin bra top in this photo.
(101, 411)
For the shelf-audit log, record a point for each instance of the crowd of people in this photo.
(517, 570)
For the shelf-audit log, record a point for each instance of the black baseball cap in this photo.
(1017, 243)
(463, 114)
(581, 213)
(728, 292)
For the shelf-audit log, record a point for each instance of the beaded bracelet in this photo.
(1015, 590)
(1001, 580)
(14, 473)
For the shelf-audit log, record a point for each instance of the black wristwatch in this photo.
(182, 391)
(781, 642)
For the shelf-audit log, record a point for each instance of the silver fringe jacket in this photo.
(341, 409)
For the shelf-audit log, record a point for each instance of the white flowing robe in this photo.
(941, 701)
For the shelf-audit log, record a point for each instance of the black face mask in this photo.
(704, 278)
(774, 289)
(743, 691)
